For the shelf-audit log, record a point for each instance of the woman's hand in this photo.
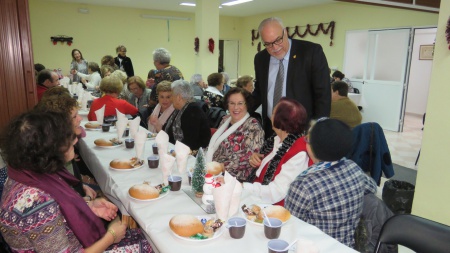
(103, 209)
(119, 228)
(255, 159)
(89, 192)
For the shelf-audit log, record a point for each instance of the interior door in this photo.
(376, 61)
(231, 58)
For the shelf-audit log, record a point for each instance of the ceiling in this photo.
(255, 7)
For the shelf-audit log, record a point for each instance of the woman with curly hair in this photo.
(40, 212)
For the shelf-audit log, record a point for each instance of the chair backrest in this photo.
(416, 233)
(355, 90)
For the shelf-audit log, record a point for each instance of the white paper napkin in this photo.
(121, 116)
(166, 162)
(100, 113)
(80, 92)
(121, 125)
(306, 246)
(134, 126)
(162, 141)
(223, 196)
(182, 152)
(139, 143)
(84, 100)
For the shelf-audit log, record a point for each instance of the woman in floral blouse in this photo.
(238, 136)
(213, 94)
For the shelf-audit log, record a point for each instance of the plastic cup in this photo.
(155, 148)
(153, 161)
(277, 246)
(126, 133)
(236, 227)
(174, 183)
(105, 127)
(129, 143)
(273, 230)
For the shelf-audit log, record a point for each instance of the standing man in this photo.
(290, 68)
(46, 79)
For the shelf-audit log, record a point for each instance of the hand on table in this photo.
(103, 209)
(255, 159)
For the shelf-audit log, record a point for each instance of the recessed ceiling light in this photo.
(188, 4)
(236, 2)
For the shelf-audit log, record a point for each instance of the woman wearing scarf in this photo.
(238, 137)
(163, 109)
(213, 94)
(288, 158)
(188, 123)
(40, 212)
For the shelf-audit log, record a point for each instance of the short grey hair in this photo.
(196, 79)
(183, 88)
(226, 77)
(161, 55)
(269, 20)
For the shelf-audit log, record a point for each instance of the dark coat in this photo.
(370, 151)
(127, 65)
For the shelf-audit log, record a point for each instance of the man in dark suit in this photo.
(304, 75)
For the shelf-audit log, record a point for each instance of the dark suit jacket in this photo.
(308, 80)
(127, 65)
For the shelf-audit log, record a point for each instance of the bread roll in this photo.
(103, 142)
(214, 168)
(143, 191)
(121, 164)
(185, 225)
(93, 125)
(279, 212)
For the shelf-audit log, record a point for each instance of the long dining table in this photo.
(153, 216)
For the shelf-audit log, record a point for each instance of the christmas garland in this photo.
(211, 45)
(196, 44)
(447, 33)
(308, 30)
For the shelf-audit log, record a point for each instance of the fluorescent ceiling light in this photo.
(188, 4)
(164, 17)
(236, 2)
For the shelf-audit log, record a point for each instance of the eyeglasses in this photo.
(232, 104)
(277, 42)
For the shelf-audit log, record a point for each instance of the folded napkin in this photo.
(162, 141)
(134, 126)
(182, 152)
(306, 246)
(80, 92)
(121, 116)
(100, 113)
(121, 126)
(166, 162)
(84, 99)
(227, 197)
(139, 143)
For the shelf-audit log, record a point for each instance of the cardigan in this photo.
(110, 109)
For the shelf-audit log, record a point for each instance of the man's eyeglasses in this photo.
(276, 42)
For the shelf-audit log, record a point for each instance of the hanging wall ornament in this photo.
(196, 44)
(447, 33)
(62, 39)
(211, 45)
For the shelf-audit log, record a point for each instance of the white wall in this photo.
(420, 73)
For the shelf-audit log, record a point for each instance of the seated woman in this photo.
(39, 211)
(188, 123)
(139, 96)
(111, 87)
(213, 94)
(163, 109)
(238, 137)
(92, 80)
(288, 158)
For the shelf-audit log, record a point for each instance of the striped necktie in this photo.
(278, 84)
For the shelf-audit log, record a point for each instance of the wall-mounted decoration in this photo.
(196, 45)
(211, 45)
(426, 52)
(62, 39)
(447, 33)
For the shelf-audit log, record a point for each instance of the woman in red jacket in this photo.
(112, 87)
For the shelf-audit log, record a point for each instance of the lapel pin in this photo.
(295, 56)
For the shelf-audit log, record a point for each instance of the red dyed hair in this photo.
(290, 116)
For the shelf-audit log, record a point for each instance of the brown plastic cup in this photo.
(236, 227)
(278, 246)
(174, 183)
(153, 161)
(273, 230)
(155, 148)
(105, 127)
(129, 143)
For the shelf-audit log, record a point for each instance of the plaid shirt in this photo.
(330, 197)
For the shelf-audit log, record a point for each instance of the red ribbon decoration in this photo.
(196, 44)
(211, 45)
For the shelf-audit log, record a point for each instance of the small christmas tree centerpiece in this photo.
(198, 176)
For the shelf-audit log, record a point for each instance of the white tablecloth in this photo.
(154, 216)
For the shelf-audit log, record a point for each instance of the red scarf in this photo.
(86, 226)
